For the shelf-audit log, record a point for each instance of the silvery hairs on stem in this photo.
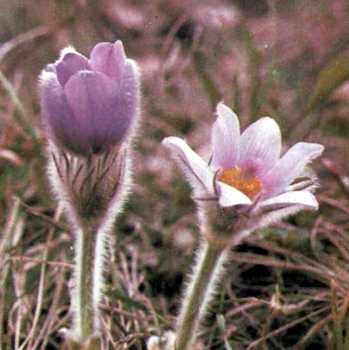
(245, 186)
(90, 109)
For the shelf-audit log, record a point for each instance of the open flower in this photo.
(89, 105)
(247, 170)
(247, 174)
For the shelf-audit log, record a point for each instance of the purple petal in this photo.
(225, 138)
(303, 198)
(109, 59)
(128, 99)
(290, 167)
(69, 64)
(93, 97)
(195, 168)
(274, 216)
(230, 196)
(260, 146)
(57, 115)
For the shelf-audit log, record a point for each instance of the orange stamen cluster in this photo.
(247, 183)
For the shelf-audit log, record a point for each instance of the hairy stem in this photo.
(209, 264)
(85, 310)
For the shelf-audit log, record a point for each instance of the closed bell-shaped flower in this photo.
(90, 104)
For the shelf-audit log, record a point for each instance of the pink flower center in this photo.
(244, 181)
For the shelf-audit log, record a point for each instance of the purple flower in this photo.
(247, 170)
(89, 105)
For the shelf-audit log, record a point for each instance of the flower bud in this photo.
(90, 105)
(90, 108)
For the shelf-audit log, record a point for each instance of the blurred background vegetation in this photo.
(286, 287)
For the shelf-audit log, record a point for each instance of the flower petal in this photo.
(70, 63)
(128, 98)
(303, 198)
(260, 146)
(92, 97)
(230, 196)
(195, 168)
(225, 138)
(290, 166)
(109, 58)
(273, 216)
(57, 115)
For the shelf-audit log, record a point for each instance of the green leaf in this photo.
(21, 117)
(330, 77)
(126, 300)
(253, 53)
(200, 62)
(223, 329)
(258, 89)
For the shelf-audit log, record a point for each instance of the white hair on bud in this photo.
(46, 77)
(106, 227)
(68, 49)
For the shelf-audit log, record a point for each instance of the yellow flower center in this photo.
(244, 181)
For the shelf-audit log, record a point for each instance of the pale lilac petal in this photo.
(303, 198)
(109, 59)
(260, 146)
(96, 105)
(230, 196)
(69, 64)
(290, 167)
(307, 180)
(128, 98)
(92, 96)
(194, 167)
(58, 117)
(274, 216)
(225, 138)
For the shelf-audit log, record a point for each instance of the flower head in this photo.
(89, 105)
(247, 169)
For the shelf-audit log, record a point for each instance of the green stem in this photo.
(86, 313)
(206, 273)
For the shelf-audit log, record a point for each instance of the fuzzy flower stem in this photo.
(209, 263)
(86, 313)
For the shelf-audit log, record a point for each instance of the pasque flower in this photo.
(246, 185)
(88, 105)
(90, 109)
(246, 169)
